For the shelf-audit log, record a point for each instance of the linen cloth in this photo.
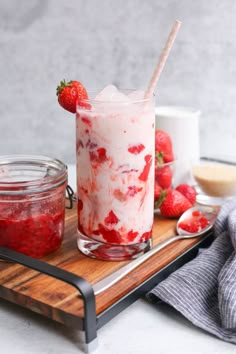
(204, 289)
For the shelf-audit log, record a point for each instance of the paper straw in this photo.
(162, 60)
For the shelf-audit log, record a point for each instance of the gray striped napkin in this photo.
(204, 290)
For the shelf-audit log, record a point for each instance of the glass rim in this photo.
(36, 185)
(125, 103)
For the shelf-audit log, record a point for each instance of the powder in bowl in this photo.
(216, 179)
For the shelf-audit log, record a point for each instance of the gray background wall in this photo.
(119, 41)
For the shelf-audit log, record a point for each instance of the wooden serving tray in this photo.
(61, 302)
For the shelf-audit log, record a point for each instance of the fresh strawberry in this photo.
(69, 93)
(159, 195)
(163, 175)
(174, 204)
(188, 191)
(163, 146)
(157, 191)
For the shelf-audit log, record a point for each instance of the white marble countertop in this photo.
(141, 328)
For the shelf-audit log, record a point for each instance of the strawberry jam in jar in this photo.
(32, 203)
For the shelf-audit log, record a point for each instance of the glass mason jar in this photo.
(115, 177)
(32, 203)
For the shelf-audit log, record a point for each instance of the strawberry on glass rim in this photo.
(70, 93)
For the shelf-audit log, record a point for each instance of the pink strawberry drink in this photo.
(115, 174)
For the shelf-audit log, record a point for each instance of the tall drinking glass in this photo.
(115, 176)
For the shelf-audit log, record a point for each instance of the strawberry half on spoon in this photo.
(69, 93)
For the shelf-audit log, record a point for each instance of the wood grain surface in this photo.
(60, 301)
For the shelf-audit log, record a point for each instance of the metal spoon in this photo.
(209, 212)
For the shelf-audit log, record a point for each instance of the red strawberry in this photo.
(145, 172)
(69, 93)
(136, 149)
(159, 195)
(188, 191)
(79, 205)
(203, 221)
(195, 223)
(190, 226)
(174, 204)
(133, 190)
(163, 146)
(196, 213)
(163, 175)
(98, 155)
(111, 218)
(157, 191)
